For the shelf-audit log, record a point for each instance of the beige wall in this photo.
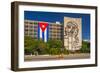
(72, 41)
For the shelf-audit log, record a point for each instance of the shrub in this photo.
(85, 50)
(28, 51)
(65, 51)
(54, 51)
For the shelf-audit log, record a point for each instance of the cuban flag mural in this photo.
(43, 31)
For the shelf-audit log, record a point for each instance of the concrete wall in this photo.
(72, 33)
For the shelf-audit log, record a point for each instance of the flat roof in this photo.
(41, 21)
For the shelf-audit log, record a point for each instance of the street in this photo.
(56, 57)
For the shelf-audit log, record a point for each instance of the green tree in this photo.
(54, 47)
(42, 47)
(28, 45)
(55, 44)
(85, 47)
(31, 45)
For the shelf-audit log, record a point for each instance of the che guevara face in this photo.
(71, 29)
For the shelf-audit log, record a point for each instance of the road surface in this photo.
(56, 57)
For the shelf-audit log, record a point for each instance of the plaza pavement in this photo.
(56, 57)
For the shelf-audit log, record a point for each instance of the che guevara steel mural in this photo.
(72, 34)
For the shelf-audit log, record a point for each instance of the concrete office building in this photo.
(31, 29)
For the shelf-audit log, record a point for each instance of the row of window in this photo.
(49, 27)
(55, 26)
(54, 36)
(51, 30)
(50, 33)
(30, 22)
(31, 26)
(55, 33)
(35, 26)
(30, 34)
(55, 30)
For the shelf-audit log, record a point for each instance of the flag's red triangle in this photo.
(43, 26)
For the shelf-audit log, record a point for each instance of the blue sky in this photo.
(56, 16)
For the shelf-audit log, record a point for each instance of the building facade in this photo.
(72, 33)
(31, 29)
